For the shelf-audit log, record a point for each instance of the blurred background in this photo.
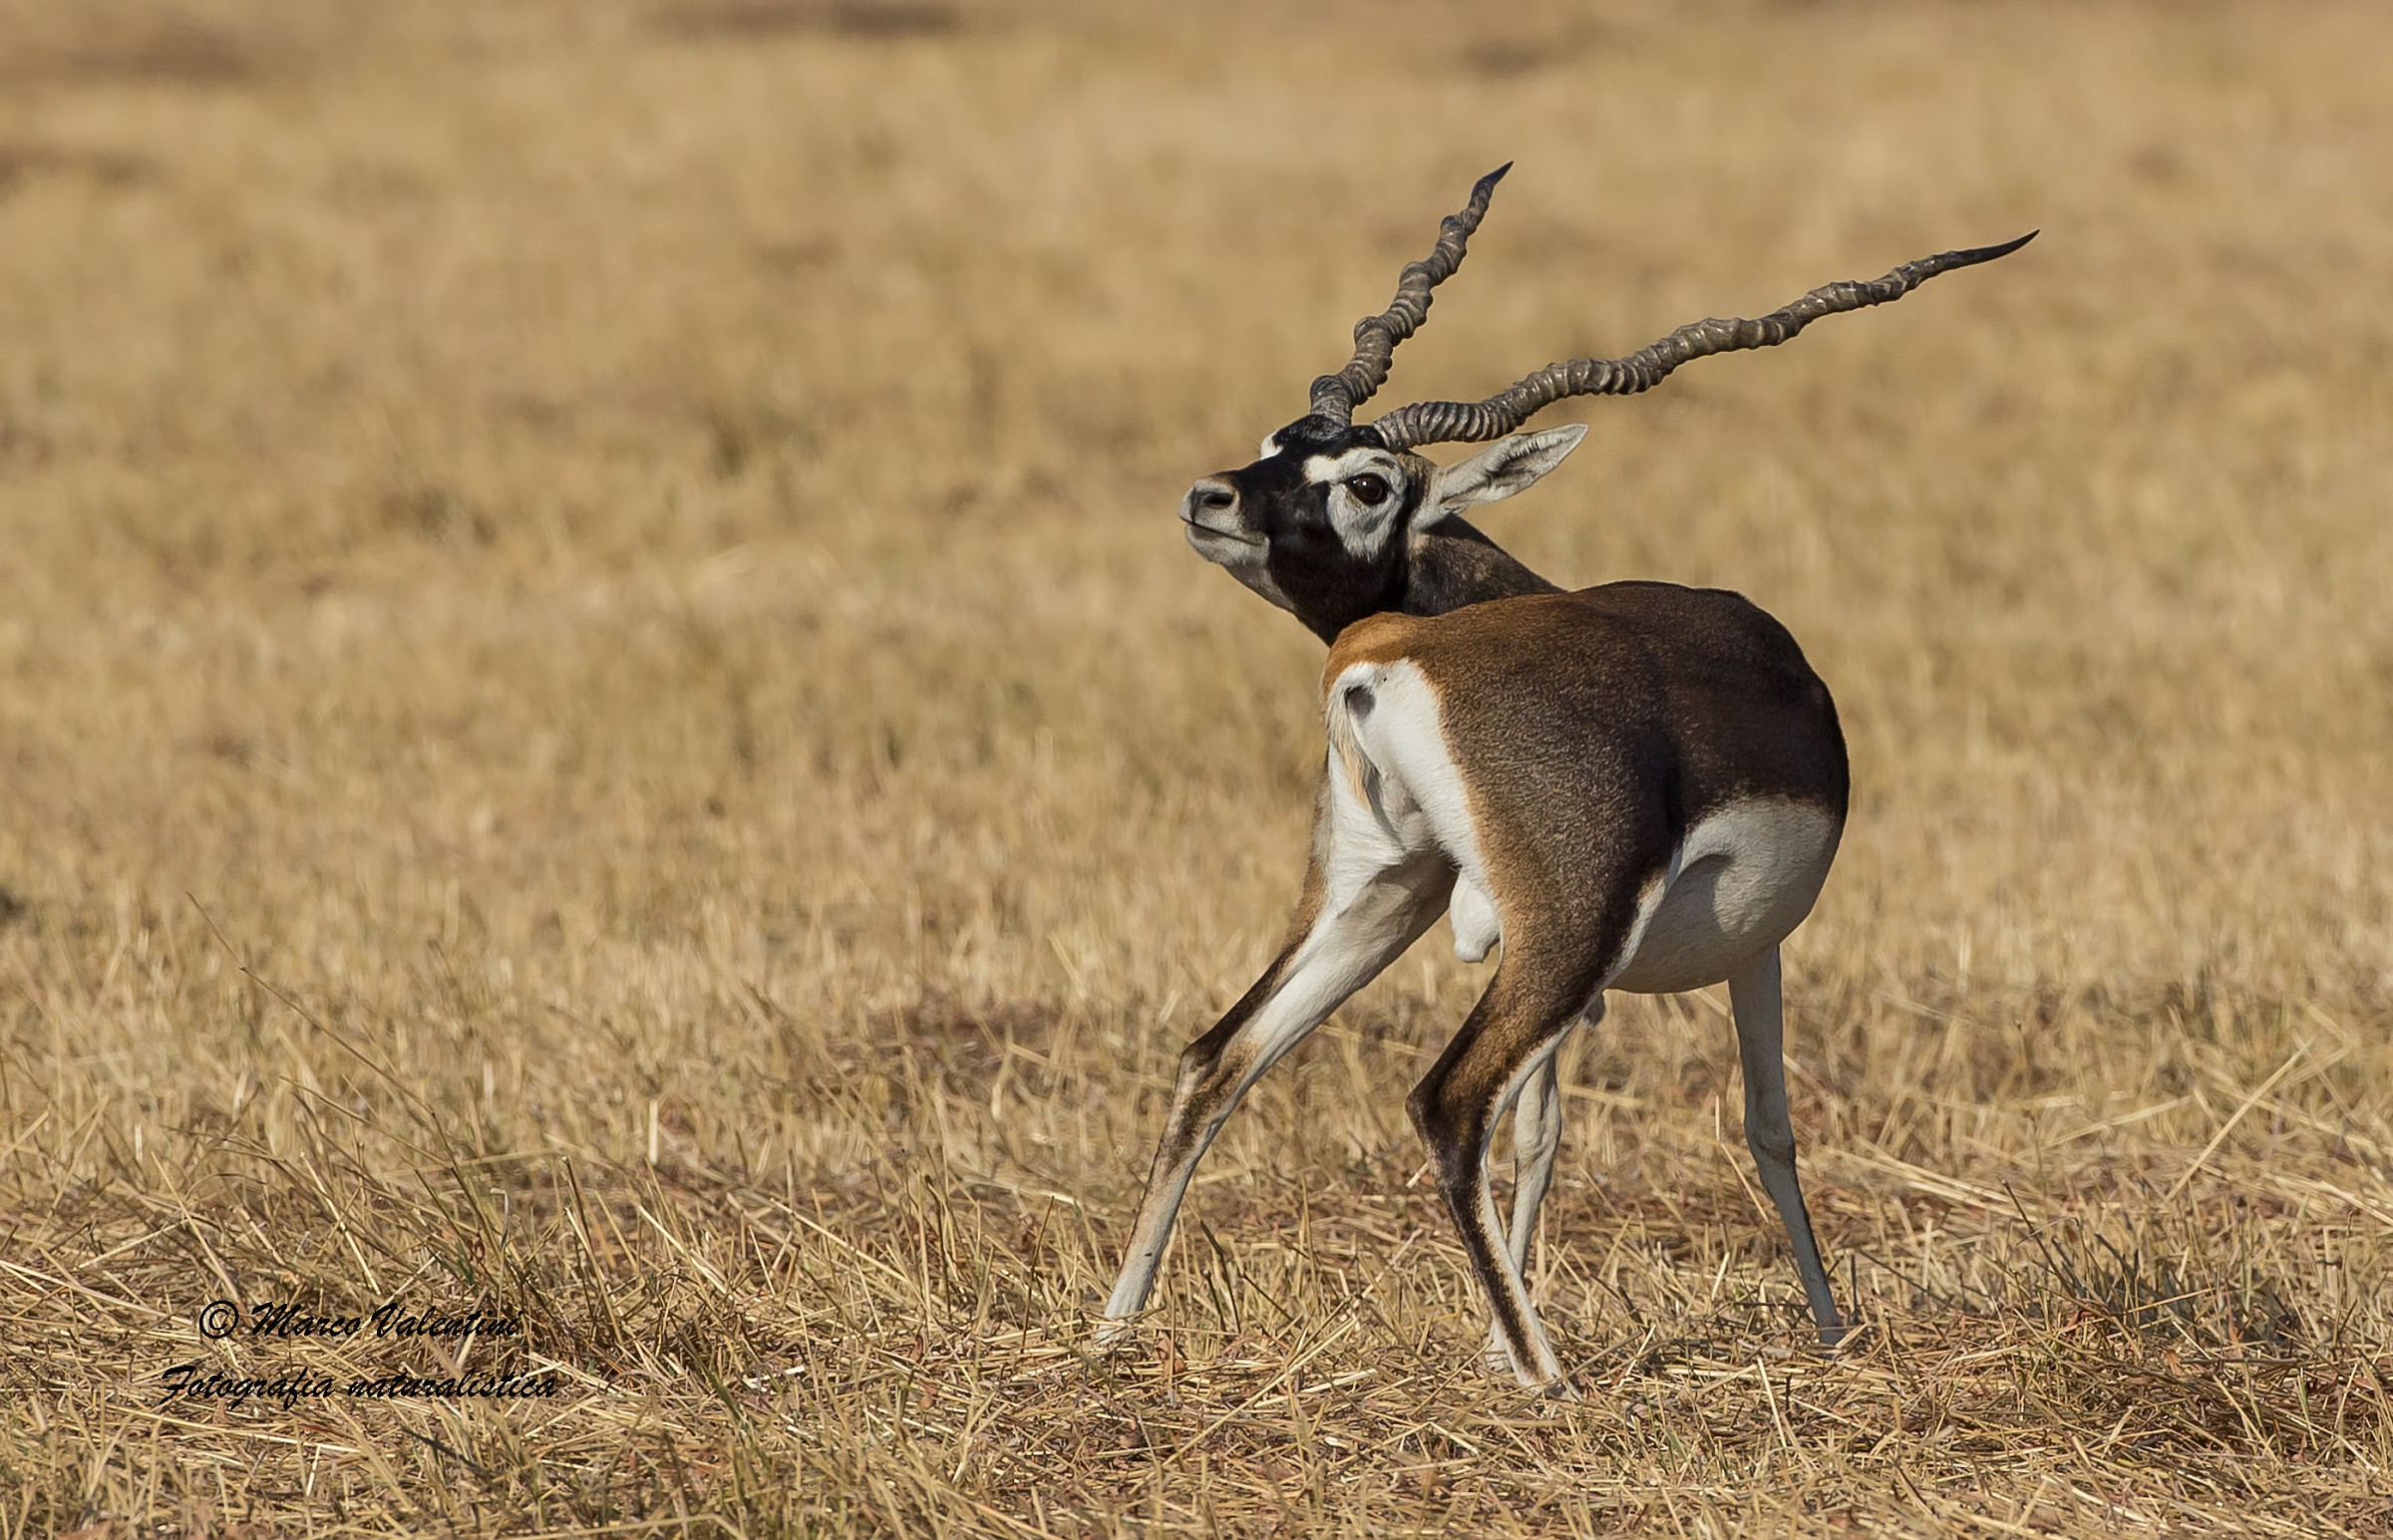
(621, 557)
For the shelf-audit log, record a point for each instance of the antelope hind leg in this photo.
(1337, 953)
(1505, 1043)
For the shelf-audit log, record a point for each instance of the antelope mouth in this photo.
(1199, 534)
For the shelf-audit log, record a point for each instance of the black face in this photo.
(1317, 525)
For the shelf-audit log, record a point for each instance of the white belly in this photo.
(1743, 878)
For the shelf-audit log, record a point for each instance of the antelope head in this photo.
(1336, 520)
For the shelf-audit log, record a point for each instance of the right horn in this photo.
(1452, 422)
(1375, 337)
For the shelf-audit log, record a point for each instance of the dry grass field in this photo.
(604, 716)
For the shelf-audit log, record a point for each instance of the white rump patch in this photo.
(1392, 771)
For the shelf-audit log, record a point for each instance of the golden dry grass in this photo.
(604, 715)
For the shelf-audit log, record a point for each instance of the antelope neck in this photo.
(1452, 565)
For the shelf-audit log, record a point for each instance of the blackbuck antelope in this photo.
(1634, 786)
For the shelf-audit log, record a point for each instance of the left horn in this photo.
(1375, 337)
(1451, 422)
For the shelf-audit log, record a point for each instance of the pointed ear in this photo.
(1501, 468)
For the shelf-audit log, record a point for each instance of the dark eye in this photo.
(1369, 490)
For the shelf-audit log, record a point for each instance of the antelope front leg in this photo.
(1753, 999)
(1339, 951)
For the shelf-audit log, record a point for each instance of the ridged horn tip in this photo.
(1334, 397)
(1990, 254)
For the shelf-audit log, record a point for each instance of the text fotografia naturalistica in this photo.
(392, 1321)
(195, 1381)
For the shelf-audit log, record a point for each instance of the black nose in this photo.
(1210, 500)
